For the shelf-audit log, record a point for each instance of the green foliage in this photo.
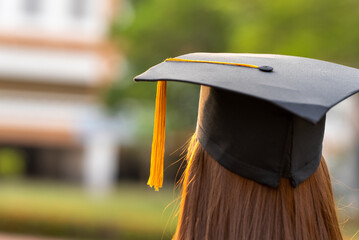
(130, 212)
(164, 29)
(319, 29)
(11, 162)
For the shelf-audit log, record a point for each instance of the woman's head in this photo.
(218, 204)
(265, 129)
(256, 101)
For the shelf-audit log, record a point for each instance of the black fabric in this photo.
(256, 139)
(305, 87)
(306, 148)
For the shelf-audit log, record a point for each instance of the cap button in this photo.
(265, 68)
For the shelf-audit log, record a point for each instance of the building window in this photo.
(31, 7)
(78, 8)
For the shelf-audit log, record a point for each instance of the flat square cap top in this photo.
(305, 87)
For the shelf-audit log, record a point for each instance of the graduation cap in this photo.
(261, 116)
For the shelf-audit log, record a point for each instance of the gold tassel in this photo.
(158, 143)
(213, 62)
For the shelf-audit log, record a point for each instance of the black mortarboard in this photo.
(261, 116)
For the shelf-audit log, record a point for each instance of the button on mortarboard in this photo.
(265, 68)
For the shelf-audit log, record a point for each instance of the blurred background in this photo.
(76, 132)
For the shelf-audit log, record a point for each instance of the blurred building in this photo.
(54, 59)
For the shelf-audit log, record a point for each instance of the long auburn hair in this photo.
(218, 204)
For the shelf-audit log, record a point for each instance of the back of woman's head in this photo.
(218, 204)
